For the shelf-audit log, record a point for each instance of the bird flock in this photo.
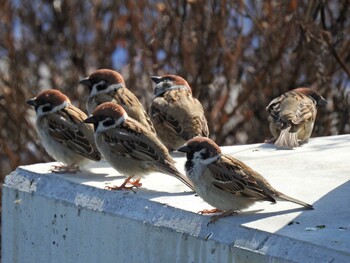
(136, 143)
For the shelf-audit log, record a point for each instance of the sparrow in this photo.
(292, 116)
(107, 85)
(224, 182)
(176, 115)
(129, 147)
(63, 132)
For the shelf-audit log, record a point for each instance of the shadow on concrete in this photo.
(244, 217)
(328, 225)
(150, 193)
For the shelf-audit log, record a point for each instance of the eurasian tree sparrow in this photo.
(107, 85)
(292, 116)
(129, 147)
(176, 115)
(225, 182)
(63, 132)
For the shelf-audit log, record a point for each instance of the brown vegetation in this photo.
(236, 55)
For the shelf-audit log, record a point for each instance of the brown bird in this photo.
(63, 132)
(107, 85)
(224, 182)
(292, 116)
(129, 147)
(176, 115)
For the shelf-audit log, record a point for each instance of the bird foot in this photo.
(215, 218)
(135, 184)
(61, 169)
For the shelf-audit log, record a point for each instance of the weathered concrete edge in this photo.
(271, 246)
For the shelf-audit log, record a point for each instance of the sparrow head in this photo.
(106, 116)
(103, 81)
(201, 149)
(49, 101)
(312, 94)
(169, 82)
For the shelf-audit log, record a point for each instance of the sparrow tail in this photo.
(184, 180)
(287, 139)
(293, 200)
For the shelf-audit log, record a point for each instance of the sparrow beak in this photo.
(86, 82)
(184, 149)
(156, 79)
(32, 102)
(91, 119)
(322, 101)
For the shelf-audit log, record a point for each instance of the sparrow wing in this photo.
(68, 128)
(133, 107)
(162, 117)
(132, 140)
(306, 110)
(179, 112)
(291, 107)
(199, 121)
(233, 176)
(274, 109)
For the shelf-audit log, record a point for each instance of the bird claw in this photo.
(136, 183)
(215, 218)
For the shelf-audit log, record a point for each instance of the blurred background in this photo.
(236, 55)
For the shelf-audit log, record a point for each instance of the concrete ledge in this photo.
(71, 218)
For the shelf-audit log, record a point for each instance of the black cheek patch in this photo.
(108, 123)
(47, 108)
(101, 86)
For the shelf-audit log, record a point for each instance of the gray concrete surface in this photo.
(71, 218)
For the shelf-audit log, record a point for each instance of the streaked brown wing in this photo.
(160, 116)
(132, 140)
(306, 110)
(274, 108)
(68, 129)
(233, 176)
(133, 107)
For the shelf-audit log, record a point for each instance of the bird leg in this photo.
(215, 218)
(60, 169)
(123, 185)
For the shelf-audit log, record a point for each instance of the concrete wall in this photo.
(71, 218)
